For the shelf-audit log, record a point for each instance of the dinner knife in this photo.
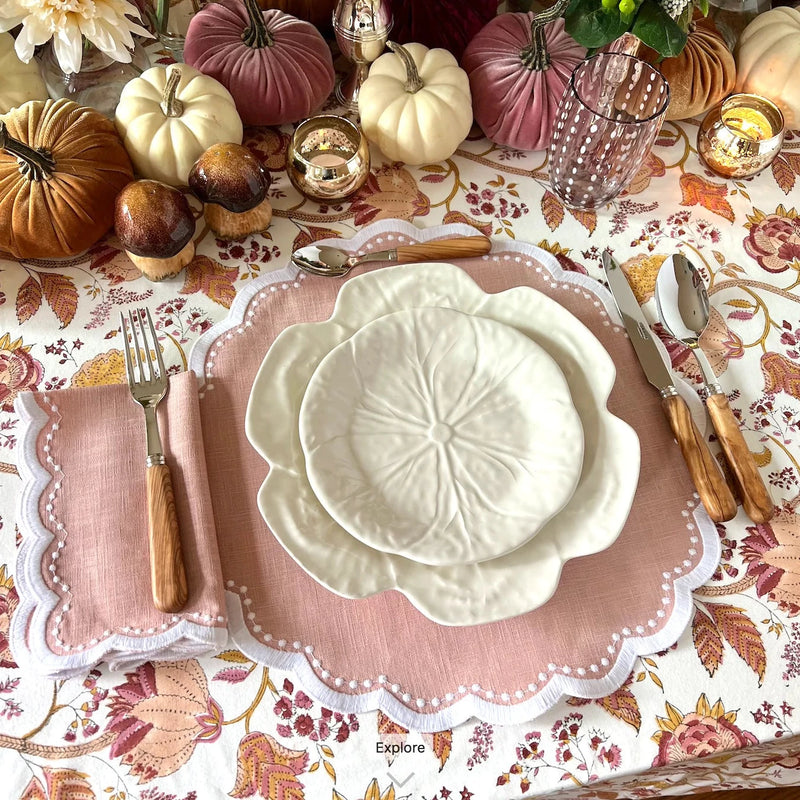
(715, 494)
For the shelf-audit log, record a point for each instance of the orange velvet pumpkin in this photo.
(61, 167)
(701, 75)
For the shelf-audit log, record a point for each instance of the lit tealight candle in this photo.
(740, 136)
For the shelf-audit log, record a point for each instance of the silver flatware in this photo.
(148, 384)
(708, 479)
(683, 307)
(335, 262)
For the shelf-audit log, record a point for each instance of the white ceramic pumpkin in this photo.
(768, 60)
(169, 116)
(416, 104)
(21, 82)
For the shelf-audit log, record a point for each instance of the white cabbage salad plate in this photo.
(440, 436)
(464, 594)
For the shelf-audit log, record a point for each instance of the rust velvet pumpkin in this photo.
(701, 75)
(518, 67)
(278, 68)
(61, 167)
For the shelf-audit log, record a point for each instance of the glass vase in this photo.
(100, 80)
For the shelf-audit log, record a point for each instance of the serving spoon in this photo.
(335, 262)
(683, 308)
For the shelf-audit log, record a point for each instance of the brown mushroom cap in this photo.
(231, 176)
(152, 219)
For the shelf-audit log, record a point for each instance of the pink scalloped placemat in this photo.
(380, 652)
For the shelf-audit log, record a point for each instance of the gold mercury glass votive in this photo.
(328, 158)
(740, 136)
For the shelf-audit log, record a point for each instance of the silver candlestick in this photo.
(362, 28)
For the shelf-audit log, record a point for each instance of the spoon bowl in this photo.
(684, 310)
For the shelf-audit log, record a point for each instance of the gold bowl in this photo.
(328, 158)
(740, 136)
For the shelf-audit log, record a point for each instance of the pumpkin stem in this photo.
(535, 55)
(413, 81)
(256, 34)
(170, 105)
(36, 165)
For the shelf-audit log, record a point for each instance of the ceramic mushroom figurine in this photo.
(155, 225)
(233, 184)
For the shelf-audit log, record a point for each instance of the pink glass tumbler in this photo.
(606, 124)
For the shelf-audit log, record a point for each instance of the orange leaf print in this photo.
(622, 705)
(742, 634)
(784, 174)
(441, 743)
(61, 295)
(205, 275)
(586, 218)
(29, 299)
(67, 784)
(33, 791)
(707, 642)
(552, 210)
(780, 374)
(390, 733)
(265, 767)
(652, 167)
(711, 196)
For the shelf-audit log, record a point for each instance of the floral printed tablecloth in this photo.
(720, 709)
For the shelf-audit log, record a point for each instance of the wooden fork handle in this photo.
(460, 247)
(756, 501)
(167, 573)
(708, 479)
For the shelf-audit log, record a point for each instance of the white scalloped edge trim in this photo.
(27, 635)
(391, 697)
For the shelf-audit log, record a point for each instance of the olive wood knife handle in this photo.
(756, 501)
(708, 479)
(459, 247)
(167, 573)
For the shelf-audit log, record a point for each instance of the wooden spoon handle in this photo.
(460, 247)
(756, 501)
(167, 573)
(708, 479)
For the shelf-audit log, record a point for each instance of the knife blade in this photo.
(715, 494)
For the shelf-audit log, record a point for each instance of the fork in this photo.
(167, 572)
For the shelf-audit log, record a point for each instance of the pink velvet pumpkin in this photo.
(278, 68)
(518, 67)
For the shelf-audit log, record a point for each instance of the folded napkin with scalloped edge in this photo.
(84, 565)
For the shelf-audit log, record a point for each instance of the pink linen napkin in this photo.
(85, 574)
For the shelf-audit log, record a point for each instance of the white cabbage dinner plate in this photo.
(463, 594)
(440, 436)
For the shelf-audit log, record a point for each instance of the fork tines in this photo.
(140, 323)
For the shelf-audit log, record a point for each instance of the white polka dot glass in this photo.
(606, 124)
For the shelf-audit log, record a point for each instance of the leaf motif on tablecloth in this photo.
(233, 656)
(205, 275)
(552, 210)
(61, 295)
(267, 768)
(441, 743)
(390, 733)
(67, 784)
(741, 633)
(780, 374)
(373, 792)
(783, 173)
(621, 704)
(711, 196)
(458, 217)
(313, 233)
(29, 299)
(33, 791)
(707, 642)
(586, 218)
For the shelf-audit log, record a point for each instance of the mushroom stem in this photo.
(535, 55)
(234, 225)
(413, 81)
(170, 105)
(156, 269)
(36, 165)
(256, 35)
